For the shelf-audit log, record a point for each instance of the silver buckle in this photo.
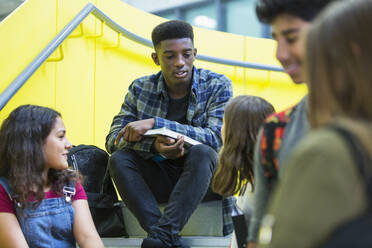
(68, 192)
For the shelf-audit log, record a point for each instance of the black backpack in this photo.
(106, 209)
(357, 232)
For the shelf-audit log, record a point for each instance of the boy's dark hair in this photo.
(174, 29)
(268, 10)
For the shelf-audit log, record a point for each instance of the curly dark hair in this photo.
(268, 10)
(174, 29)
(22, 136)
(243, 118)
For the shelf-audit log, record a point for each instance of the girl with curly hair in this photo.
(42, 203)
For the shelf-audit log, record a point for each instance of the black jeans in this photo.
(182, 183)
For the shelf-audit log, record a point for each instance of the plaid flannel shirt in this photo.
(147, 98)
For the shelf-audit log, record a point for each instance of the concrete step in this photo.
(194, 242)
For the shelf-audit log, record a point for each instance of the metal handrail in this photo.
(18, 82)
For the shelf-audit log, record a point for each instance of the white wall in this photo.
(7, 6)
(155, 5)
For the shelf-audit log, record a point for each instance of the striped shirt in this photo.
(147, 98)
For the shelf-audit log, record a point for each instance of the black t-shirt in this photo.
(177, 109)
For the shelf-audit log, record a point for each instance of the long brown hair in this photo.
(22, 136)
(339, 62)
(243, 117)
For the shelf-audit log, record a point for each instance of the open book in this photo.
(171, 134)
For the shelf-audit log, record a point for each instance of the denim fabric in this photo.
(49, 225)
(181, 183)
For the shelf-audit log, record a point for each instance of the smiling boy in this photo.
(288, 19)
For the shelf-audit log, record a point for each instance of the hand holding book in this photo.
(172, 134)
(168, 147)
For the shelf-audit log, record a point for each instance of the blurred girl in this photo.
(42, 204)
(322, 188)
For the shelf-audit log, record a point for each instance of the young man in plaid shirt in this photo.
(149, 170)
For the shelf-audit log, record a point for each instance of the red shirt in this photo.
(7, 205)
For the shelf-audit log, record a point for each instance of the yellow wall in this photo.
(89, 84)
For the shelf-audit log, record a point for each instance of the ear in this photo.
(155, 58)
(195, 51)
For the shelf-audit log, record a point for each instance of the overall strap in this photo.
(4, 182)
(360, 155)
(69, 190)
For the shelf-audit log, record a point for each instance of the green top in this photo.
(320, 190)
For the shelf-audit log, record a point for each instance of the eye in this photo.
(291, 40)
(187, 55)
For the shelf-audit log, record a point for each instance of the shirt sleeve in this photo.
(261, 193)
(127, 114)
(207, 130)
(6, 204)
(80, 192)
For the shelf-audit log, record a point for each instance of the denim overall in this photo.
(50, 225)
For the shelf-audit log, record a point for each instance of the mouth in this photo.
(180, 74)
(292, 69)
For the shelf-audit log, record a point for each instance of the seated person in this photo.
(242, 120)
(35, 210)
(148, 170)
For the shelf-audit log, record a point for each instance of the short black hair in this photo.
(268, 10)
(174, 29)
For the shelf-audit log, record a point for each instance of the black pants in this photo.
(182, 183)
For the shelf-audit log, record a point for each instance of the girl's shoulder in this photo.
(79, 193)
(6, 204)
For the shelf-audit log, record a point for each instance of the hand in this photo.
(134, 130)
(168, 147)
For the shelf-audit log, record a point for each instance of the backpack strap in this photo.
(271, 140)
(360, 156)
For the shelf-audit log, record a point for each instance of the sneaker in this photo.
(151, 242)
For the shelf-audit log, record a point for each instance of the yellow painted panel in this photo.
(24, 34)
(39, 89)
(89, 85)
(116, 69)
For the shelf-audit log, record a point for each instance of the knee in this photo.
(118, 161)
(204, 154)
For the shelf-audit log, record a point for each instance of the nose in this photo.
(282, 53)
(179, 61)
(68, 144)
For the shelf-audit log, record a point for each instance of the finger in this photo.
(135, 136)
(182, 152)
(180, 142)
(120, 134)
(170, 141)
(165, 140)
(127, 134)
